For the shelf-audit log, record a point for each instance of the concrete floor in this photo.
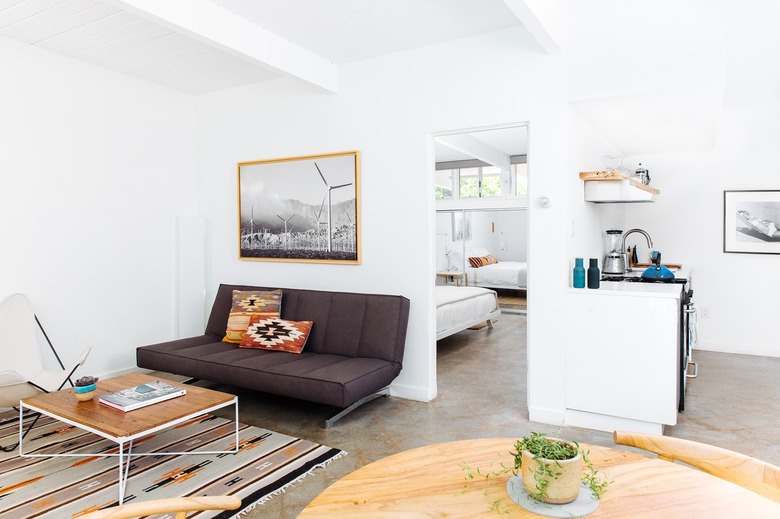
(734, 403)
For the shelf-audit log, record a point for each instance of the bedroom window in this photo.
(480, 182)
(444, 183)
(520, 179)
(475, 180)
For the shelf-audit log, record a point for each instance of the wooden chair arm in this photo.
(751, 473)
(178, 505)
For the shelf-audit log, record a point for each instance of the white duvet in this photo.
(456, 306)
(510, 274)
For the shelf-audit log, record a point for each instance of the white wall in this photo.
(95, 167)
(686, 224)
(504, 233)
(387, 108)
(98, 168)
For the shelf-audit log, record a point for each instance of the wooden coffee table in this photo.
(125, 427)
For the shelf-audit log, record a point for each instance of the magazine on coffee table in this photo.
(141, 396)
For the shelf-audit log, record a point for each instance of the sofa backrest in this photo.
(345, 323)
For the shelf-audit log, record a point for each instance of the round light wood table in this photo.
(431, 482)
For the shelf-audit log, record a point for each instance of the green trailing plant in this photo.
(544, 447)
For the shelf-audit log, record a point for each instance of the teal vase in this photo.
(579, 273)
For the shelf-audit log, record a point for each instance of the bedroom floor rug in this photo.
(512, 302)
(67, 487)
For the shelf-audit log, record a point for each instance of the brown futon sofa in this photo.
(353, 353)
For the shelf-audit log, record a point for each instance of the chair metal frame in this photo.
(9, 448)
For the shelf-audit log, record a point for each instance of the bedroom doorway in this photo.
(463, 234)
(481, 221)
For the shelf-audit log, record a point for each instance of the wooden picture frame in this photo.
(304, 209)
(751, 221)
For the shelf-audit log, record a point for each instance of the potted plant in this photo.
(84, 388)
(552, 469)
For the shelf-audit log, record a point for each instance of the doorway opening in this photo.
(481, 227)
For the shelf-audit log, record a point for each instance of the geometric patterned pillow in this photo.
(265, 303)
(276, 334)
(481, 261)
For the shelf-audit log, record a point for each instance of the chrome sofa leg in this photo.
(384, 392)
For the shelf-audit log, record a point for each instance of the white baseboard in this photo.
(598, 422)
(125, 371)
(761, 350)
(607, 423)
(409, 392)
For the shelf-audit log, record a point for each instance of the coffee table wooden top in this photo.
(430, 482)
(120, 424)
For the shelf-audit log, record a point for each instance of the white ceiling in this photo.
(199, 46)
(487, 144)
(351, 30)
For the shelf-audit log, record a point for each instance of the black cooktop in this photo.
(640, 279)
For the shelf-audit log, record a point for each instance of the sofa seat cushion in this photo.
(335, 380)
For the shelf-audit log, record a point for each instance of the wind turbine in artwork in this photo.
(252, 229)
(330, 205)
(319, 220)
(286, 236)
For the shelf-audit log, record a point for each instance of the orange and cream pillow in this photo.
(262, 303)
(481, 261)
(275, 334)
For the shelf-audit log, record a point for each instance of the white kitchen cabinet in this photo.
(622, 356)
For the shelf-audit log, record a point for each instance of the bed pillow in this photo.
(481, 261)
(275, 334)
(265, 303)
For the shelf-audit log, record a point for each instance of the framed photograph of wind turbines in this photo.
(304, 209)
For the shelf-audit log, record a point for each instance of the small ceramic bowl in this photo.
(84, 393)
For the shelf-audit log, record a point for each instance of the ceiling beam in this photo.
(540, 18)
(223, 30)
(473, 147)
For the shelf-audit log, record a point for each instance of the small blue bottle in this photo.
(579, 273)
(594, 276)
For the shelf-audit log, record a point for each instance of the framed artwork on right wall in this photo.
(751, 221)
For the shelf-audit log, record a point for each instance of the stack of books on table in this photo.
(141, 396)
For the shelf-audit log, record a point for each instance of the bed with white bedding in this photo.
(484, 269)
(504, 274)
(459, 308)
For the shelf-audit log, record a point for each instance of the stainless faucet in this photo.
(632, 231)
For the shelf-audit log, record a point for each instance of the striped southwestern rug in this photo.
(62, 487)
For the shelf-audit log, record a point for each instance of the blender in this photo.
(616, 260)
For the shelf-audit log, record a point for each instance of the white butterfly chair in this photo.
(21, 366)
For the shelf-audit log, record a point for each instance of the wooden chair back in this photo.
(178, 505)
(751, 473)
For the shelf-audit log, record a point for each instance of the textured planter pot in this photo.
(84, 393)
(561, 489)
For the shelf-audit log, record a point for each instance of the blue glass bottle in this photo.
(594, 276)
(579, 273)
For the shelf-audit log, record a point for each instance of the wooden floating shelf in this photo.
(612, 186)
(616, 175)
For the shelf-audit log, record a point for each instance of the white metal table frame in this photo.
(124, 459)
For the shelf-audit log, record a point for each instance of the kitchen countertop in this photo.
(623, 288)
